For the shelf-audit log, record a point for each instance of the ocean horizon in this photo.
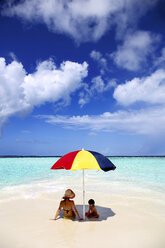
(52, 156)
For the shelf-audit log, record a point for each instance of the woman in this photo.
(69, 208)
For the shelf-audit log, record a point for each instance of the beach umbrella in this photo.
(83, 159)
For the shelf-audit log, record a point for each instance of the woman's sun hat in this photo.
(69, 194)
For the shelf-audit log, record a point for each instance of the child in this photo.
(92, 212)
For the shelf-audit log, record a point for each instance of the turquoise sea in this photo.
(31, 176)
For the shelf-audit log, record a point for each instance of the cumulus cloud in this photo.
(98, 85)
(149, 89)
(81, 19)
(134, 51)
(12, 95)
(49, 84)
(20, 91)
(145, 121)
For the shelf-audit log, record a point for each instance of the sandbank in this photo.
(125, 222)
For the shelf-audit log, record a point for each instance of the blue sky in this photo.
(82, 74)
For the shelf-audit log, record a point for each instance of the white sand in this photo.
(125, 222)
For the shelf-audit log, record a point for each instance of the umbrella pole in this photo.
(83, 197)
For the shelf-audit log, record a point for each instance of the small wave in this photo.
(47, 188)
(26, 191)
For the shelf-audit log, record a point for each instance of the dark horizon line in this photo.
(44, 156)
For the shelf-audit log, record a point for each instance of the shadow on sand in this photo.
(104, 212)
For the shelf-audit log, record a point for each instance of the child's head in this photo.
(91, 202)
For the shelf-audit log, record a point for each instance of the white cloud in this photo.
(12, 95)
(20, 91)
(97, 86)
(132, 54)
(84, 97)
(160, 61)
(145, 121)
(102, 62)
(49, 84)
(82, 19)
(96, 55)
(149, 89)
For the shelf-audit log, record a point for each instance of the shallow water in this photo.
(27, 177)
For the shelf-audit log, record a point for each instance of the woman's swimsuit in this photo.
(68, 217)
(67, 210)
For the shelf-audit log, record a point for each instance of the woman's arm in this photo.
(75, 210)
(58, 211)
